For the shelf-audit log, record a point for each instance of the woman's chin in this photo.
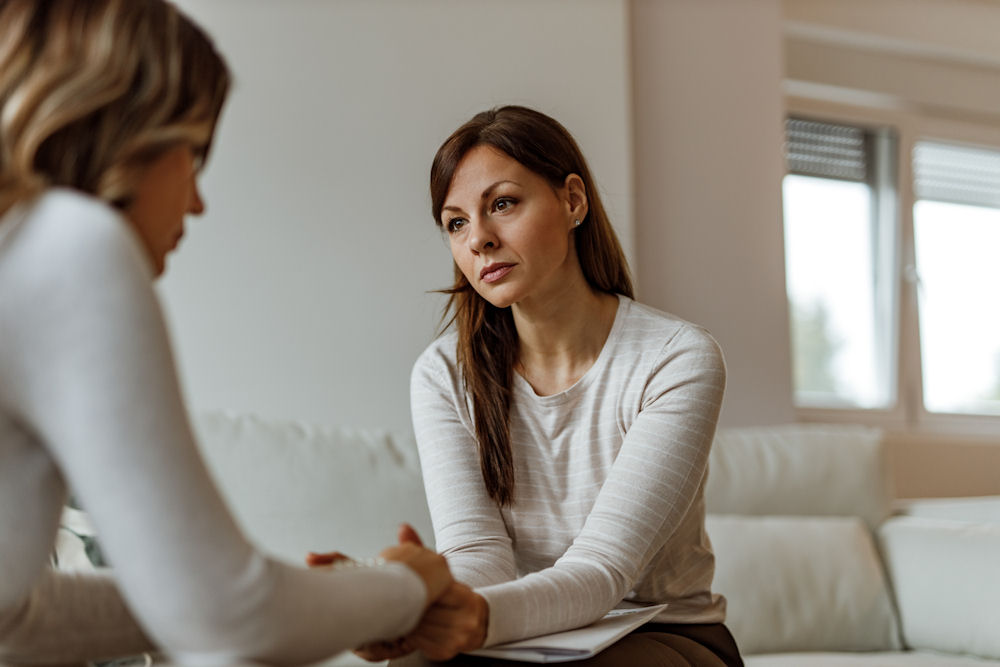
(498, 301)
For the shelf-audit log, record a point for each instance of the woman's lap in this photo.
(652, 647)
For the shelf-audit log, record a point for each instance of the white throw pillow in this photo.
(802, 584)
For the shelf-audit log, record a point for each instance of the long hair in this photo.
(487, 338)
(91, 91)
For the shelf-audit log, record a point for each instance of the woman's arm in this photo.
(468, 527)
(93, 378)
(650, 487)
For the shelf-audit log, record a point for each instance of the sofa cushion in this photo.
(799, 469)
(802, 584)
(879, 659)
(947, 582)
(296, 488)
(978, 509)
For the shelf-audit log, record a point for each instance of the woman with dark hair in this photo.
(107, 111)
(563, 428)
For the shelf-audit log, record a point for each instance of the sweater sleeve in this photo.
(69, 617)
(468, 527)
(93, 379)
(650, 487)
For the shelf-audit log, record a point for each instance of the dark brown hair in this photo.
(487, 339)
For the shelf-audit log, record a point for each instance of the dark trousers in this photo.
(652, 645)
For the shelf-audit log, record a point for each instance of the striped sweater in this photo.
(609, 481)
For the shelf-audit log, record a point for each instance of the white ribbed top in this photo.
(89, 399)
(609, 481)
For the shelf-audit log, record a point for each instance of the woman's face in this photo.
(166, 192)
(510, 231)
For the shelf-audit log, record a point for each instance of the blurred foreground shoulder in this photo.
(65, 235)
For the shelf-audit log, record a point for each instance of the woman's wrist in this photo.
(353, 564)
(483, 620)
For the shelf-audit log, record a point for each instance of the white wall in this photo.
(709, 115)
(302, 292)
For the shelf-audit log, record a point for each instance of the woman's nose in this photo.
(196, 206)
(482, 237)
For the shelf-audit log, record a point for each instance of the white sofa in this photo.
(816, 571)
(819, 569)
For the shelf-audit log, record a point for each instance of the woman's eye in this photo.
(454, 225)
(503, 203)
(198, 156)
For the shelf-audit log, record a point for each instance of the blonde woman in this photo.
(107, 112)
(564, 428)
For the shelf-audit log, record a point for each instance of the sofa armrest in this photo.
(947, 583)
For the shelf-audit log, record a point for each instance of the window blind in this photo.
(956, 174)
(827, 150)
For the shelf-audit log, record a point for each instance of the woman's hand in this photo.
(384, 650)
(457, 622)
(376, 651)
(314, 559)
(429, 565)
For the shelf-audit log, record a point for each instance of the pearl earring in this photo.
(576, 224)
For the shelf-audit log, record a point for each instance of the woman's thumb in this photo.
(407, 534)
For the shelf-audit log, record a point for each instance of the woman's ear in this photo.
(576, 197)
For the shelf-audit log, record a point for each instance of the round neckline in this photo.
(524, 388)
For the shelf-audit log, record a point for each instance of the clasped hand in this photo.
(455, 618)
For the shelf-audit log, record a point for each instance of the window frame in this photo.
(910, 125)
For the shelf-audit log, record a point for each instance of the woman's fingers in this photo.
(384, 650)
(407, 534)
(440, 642)
(430, 566)
(440, 648)
(456, 622)
(314, 559)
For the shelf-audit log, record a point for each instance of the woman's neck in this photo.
(562, 336)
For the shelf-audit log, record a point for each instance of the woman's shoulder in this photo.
(665, 330)
(67, 255)
(439, 360)
(64, 206)
(71, 231)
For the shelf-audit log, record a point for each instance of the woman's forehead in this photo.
(483, 167)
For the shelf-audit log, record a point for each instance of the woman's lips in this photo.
(494, 272)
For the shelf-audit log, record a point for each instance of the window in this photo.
(839, 253)
(843, 272)
(956, 233)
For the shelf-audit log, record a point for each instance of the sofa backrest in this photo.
(807, 582)
(296, 488)
(800, 470)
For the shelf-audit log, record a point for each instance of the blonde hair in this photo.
(92, 90)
